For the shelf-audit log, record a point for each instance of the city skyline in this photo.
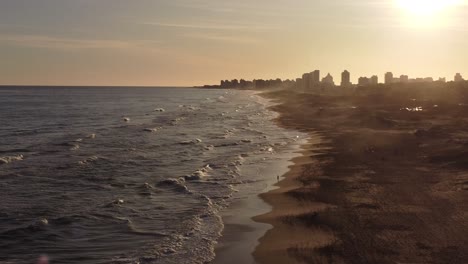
(193, 42)
(313, 79)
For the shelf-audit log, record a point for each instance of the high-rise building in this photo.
(374, 80)
(305, 81)
(311, 79)
(404, 79)
(345, 79)
(299, 83)
(458, 78)
(363, 81)
(388, 78)
(328, 80)
(315, 78)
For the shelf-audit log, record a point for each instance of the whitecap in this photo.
(43, 222)
(39, 224)
(88, 160)
(193, 177)
(207, 167)
(10, 159)
(116, 202)
(75, 147)
(176, 184)
(209, 147)
(147, 186)
(190, 142)
(152, 130)
(177, 120)
(199, 174)
(267, 149)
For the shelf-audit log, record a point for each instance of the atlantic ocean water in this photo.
(126, 175)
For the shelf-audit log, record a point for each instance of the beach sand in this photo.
(275, 244)
(382, 182)
(241, 233)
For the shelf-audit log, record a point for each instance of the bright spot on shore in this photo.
(427, 12)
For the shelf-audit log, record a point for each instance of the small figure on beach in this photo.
(277, 178)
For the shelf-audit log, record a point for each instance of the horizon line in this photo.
(93, 86)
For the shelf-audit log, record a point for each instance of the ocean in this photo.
(127, 175)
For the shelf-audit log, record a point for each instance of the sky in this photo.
(196, 42)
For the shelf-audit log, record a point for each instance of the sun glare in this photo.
(426, 7)
(427, 12)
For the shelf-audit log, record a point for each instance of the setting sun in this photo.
(427, 13)
(426, 7)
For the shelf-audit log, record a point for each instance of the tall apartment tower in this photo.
(311, 80)
(305, 81)
(345, 79)
(458, 78)
(388, 78)
(315, 77)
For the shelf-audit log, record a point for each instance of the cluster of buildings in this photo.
(236, 84)
(365, 81)
(312, 80)
(253, 84)
(389, 78)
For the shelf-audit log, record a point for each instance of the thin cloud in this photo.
(39, 41)
(213, 26)
(222, 38)
(262, 8)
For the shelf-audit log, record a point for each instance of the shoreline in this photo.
(241, 232)
(277, 242)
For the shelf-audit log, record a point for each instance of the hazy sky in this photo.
(193, 42)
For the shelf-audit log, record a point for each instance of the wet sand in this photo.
(386, 183)
(241, 233)
(274, 245)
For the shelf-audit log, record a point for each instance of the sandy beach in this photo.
(241, 232)
(279, 239)
(383, 180)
